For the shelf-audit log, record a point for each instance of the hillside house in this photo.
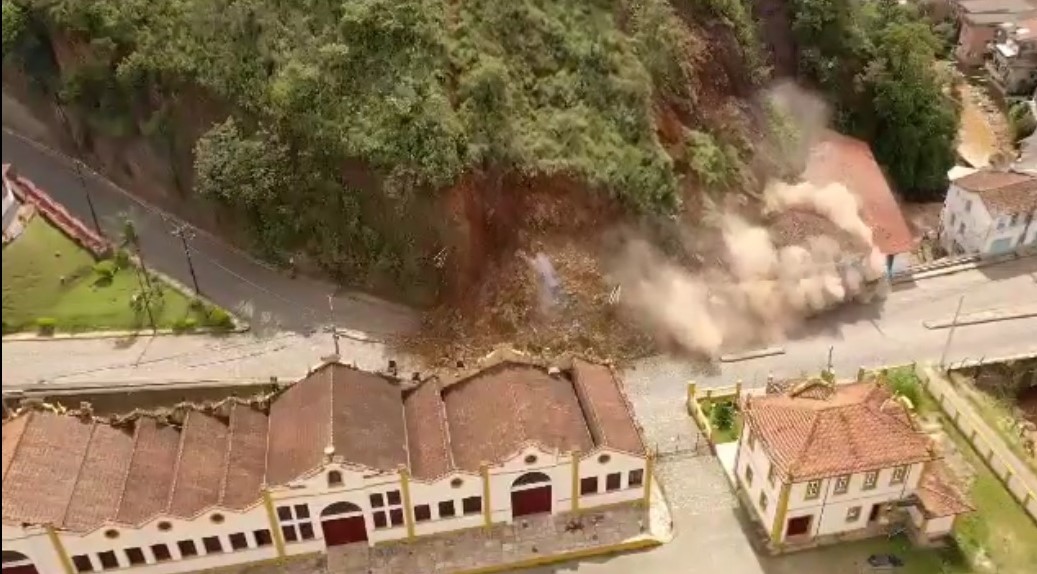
(979, 21)
(990, 212)
(342, 457)
(819, 462)
(1013, 58)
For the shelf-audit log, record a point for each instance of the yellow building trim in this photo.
(778, 528)
(487, 512)
(408, 510)
(649, 471)
(576, 482)
(59, 548)
(629, 546)
(275, 529)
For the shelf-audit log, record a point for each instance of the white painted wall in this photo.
(10, 210)
(830, 510)
(967, 220)
(592, 464)
(558, 466)
(432, 493)
(34, 544)
(939, 526)
(756, 459)
(1031, 231)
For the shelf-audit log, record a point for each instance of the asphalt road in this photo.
(226, 275)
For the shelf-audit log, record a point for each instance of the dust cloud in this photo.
(760, 292)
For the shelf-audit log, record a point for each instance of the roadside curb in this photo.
(929, 271)
(98, 335)
(359, 336)
(980, 318)
(629, 546)
(759, 353)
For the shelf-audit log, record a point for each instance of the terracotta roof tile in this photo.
(40, 480)
(493, 413)
(1003, 192)
(246, 458)
(606, 408)
(939, 495)
(799, 227)
(101, 479)
(427, 432)
(200, 465)
(855, 429)
(13, 431)
(150, 474)
(367, 421)
(849, 161)
(300, 428)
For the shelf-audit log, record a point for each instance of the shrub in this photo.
(219, 319)
(46, 325)
(904, 382)
(1022, 120)
(184, 324)
(715, 163)
(122, 259)
(105, 270)
(723, 416)
(198, 305)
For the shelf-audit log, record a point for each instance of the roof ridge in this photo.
(406, 435)
(176, 465)
(587, 408)
(18, 445)
(444, 424)
(226, 455)
(266, 451)
(331, 411)
(811, 434)
(129, 468)
(79, 473)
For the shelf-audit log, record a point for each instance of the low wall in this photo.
(694, 405)
(56, 214)
(968, 427)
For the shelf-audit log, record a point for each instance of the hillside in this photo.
(425, 149)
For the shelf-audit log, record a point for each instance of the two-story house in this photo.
(990, 212)
(342, 457)
(818, 461)
(979, 21)
(1013, 58)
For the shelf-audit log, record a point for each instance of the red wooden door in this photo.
(339, 531)
(531, 501)
(23, 569)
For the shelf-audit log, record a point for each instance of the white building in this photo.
(341, 457)
(819, 461)
(990, 212)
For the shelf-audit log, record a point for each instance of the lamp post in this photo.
(77, 165)
(185, 233)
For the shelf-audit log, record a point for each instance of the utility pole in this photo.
(185, 233)
(334, 329)
(145, 293)
(950, 334)
(77, 165)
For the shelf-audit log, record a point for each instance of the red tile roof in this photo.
(606, 408)
(854, 428)
(81, 473)
(939, 495)
(1003, 192)
(848, 161)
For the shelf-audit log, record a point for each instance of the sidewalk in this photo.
(1014, 473)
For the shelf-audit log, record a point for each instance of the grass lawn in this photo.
(999, 533)
(46, 275)
(729, 434)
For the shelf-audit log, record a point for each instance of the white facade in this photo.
(10, 205)
(969, 227)
(393, 507)
(827, 506)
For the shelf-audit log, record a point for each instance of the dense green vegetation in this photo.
(876, 62)
(416, 92)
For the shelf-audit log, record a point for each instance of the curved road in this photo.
(226, 275)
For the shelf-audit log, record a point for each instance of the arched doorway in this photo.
(343, 523)
(531, 494)
(17, 563)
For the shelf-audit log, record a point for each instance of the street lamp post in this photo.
(77, 165)
(185, 233)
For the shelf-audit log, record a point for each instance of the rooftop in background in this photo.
(1003, 192)
(78, 472)
(848, 161)
(987, 12)
(815, 429)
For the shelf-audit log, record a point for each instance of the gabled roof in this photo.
(816, 430)
(1002, 192)
(848, 161)
(605, 407)
(938, 494)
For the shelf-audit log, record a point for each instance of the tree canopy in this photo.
(877, 63)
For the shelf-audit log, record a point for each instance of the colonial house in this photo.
(1013, 58)
(342, 457)
(818, 461)
(989, 212)
(840, 159)
(979, 21)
